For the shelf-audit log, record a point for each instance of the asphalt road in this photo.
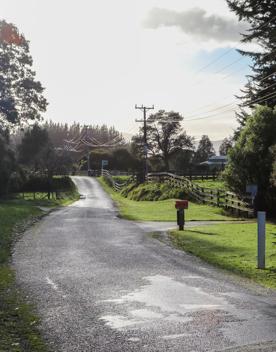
(104, 284)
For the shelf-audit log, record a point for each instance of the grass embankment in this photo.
(40, 199)
(232, 247)
(18, 323)
(161, 210)
(213, 184)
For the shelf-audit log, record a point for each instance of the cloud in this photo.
(196, 22)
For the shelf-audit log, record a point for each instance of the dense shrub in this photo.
(37, 183)
(7, 162)
(251, 159)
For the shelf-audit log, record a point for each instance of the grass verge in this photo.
(18, 323)
(65, 198)
(163, 210)
(232, 247)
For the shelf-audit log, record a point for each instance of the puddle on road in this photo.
(119, 322)
(163, 299)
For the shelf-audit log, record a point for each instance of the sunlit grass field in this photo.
(232, 247)
(163, 210)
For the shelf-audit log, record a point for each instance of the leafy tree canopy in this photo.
(204, 150)
(165, 136)
(33, 142)
(226, 144)
(7, 162)
(21, 95)
(251, 159)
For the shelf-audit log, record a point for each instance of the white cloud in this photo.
(197, 23)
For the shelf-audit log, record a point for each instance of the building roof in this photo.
(215, 160)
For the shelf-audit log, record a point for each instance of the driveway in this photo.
(104, 284)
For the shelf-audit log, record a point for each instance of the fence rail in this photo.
(116, 185)
(217, 197)
(198, 175)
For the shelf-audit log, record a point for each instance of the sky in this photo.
(97, 59)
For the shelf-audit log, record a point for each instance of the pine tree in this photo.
(261, 85)
(226, 144)
(204, 150)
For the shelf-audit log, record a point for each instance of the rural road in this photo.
(103, 284)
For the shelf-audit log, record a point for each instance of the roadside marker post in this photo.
(181, 205)
(261, 239)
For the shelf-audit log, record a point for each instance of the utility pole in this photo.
(145, 109)
(88, 155)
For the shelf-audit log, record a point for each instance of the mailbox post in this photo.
(181, 205)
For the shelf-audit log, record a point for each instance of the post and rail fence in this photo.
(215, 197)
(117, 186)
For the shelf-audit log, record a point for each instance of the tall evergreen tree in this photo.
(33, 142)
(261, 85)
(204, 150)
(226, 144)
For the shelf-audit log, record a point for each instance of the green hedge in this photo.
(41, 184)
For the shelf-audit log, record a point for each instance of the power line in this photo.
(261, 99)
(209, 116)
(214, 61)
(215, 109)
(208, 105)
(233, 72)
(229, 65)
(265, 98)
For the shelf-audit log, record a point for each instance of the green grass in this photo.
(18, 323)
(163, 210)
(121, 179)
(214, 184)
(232, 247)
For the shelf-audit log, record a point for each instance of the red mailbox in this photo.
(181, 204)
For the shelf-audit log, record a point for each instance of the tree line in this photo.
(251, 150)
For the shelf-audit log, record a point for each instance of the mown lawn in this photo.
(18, 323)
(232, 247)
(161, 210)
